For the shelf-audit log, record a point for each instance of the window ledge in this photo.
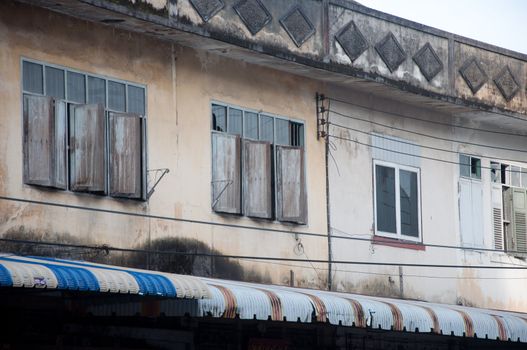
(398, 243)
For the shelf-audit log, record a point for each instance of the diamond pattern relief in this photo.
(254, 14)
(506, 83)
(207, 8)
(473, 74)
(428, 61)
(298, 26)
(352, 41)
(391, 52)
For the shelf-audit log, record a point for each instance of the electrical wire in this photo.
(427, 135)
(387, 274)
(418, 145)
(211, 223)
(414, 155)
(269, 258)
(431, 121)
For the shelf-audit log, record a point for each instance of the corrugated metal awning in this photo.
(229, 299)
(39, 272)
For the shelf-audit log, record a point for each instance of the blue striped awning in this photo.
(50, 273)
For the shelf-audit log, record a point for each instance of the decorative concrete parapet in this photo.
(339, 36)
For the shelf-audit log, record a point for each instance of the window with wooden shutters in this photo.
(125, 156)
(44, 142)
(519, 216)
(257, 184)
(290, 184)
(87, 148)
(226, 186)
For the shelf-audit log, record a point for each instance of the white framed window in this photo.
(397, 199)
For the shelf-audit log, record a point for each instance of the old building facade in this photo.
(318, 135)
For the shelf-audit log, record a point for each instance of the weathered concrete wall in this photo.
(352, 208)
(181, 83)
(340, 37)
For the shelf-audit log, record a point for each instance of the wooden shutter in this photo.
(520, 219)
(257, 195)
(38, 140)
(465, 212)
(508, 213)
(226, 186)
(60, 162)
(290, 184)
(126, 163)
(87, 148)
(44, 142)
(497, 216)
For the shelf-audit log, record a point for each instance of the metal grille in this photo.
(520, 228)
(498, 228)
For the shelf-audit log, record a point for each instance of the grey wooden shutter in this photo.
(38, 140)
(520, 218)
(225, 183)
(87, 148)
(290, 184)
(125, 152)
(257, 195)
(497, 216)
(60, 163)
(508, 213)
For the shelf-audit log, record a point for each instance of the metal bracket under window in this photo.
(227, 184)
(157, 176)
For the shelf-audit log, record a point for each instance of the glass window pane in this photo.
(464, 165)
(136, 100)
(219, 118)
(96, 90)
(409, 201)
(235, 121)
(116, 96)
(282, 132)
(55, 82)
(266, 128)
(515, 176)
(250, 126)
(385, 196)
(495, 172)
(76, 87)
(475, 168)
(33, 77)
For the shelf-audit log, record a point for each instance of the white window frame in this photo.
(397, 168)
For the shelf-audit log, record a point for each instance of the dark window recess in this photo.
(76, 87)
(234, 123)
(96, 91)
(125, 156)
(116, 96)
(475, 168)
(33, 78)
(297, 134)
(409, 202)
(87, 148)
(219, 118)
(136, 100)
(55, 82)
